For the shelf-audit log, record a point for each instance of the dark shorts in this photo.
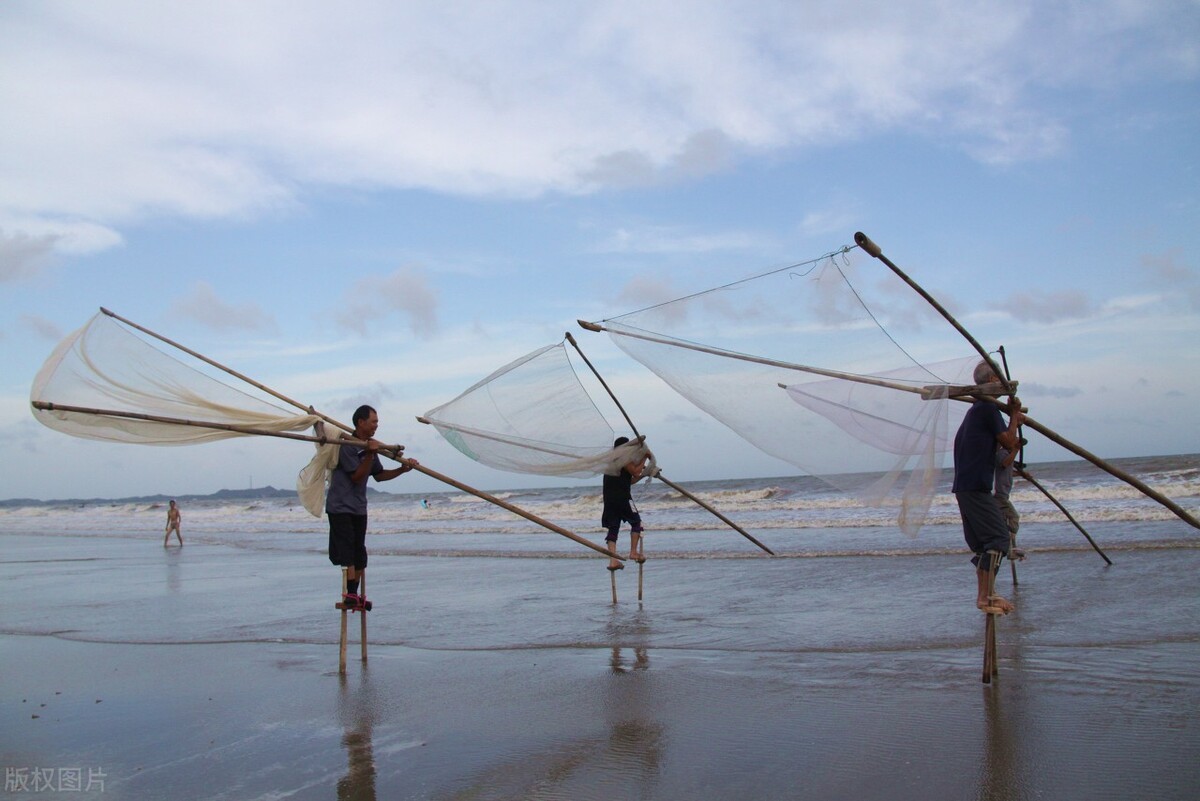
(348, 540)
(984, 528)
(614, 526)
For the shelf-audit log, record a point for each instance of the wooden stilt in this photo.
(342, 643)
(362, 591)
(990, 665)
(612, 577)
(641, 564)
(1012, 548)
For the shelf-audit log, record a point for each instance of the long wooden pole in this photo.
(722, 517)
(659, 475)
(871, 248)
(803, 368)
(603, 383)
(506, 505)
(226, 369)
(213, 425)
(864, 242)
(1021, 472)
(394, 453)
(1019, 456)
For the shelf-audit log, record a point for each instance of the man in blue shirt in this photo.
(346, 500)
(984, 527)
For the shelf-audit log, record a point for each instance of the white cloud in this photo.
(42, 327)
(22, 255)
(1048, 307)
(203, 305)
(372, 299)
(663, 239)
(115, 113)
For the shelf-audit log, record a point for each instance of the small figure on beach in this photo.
(173, 518)
(619, 508)
(1002, 488)
(982, 431)
(346, 500)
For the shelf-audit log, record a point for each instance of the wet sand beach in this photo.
(210, 672)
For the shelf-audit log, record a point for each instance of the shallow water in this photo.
(499, 667)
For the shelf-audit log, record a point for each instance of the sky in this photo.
(383, 202)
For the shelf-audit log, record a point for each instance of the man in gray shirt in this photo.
(346, 501)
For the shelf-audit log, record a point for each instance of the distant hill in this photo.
(219, 495)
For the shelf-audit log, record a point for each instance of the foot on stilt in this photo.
(995, 605)
(1017, 555)
(617, 566)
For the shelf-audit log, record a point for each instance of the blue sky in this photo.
(383, 201)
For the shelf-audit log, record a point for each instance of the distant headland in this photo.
(257, 493)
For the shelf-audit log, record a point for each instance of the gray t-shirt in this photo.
(344, 496)
(1004, 475)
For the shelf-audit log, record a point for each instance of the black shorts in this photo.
(984, 528)
(614, 526)
(348, 540)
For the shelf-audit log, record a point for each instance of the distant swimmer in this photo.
(173, 518)
(424, 503)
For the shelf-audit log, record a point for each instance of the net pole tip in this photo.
(589, 326)
(864, 242)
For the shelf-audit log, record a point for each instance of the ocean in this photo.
(443, 538)
(848, 666)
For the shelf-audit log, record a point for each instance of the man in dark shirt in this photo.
(619, 508)
(984, 527)
(346, 501)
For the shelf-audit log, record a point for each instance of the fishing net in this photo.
(801, 362)
(114, 380)
(533, 415)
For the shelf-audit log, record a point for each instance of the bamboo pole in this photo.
(612, 577)
(362, 593)
(506, 505)
(641, 564)
(179, 421)
(722, 517)
(864, 242)
(659, 474)
(495, 437)
(871, 248)
(342, 642)
(990, 666)
(603, 383)
(1020, 458)
(1021, 472)
(226, 369)
(394, 451)
(861, 379)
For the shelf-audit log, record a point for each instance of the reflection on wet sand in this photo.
(622, 762)
(357, 711)
(1000, 776)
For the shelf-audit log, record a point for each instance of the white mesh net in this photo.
(852, 413)
(105, 368)
(533, 416)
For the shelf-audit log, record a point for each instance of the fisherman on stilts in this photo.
(984, 528)
(346, 501)
(619, 508)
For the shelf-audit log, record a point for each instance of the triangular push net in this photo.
(533, 415)
(855, 408)
(112, 380)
